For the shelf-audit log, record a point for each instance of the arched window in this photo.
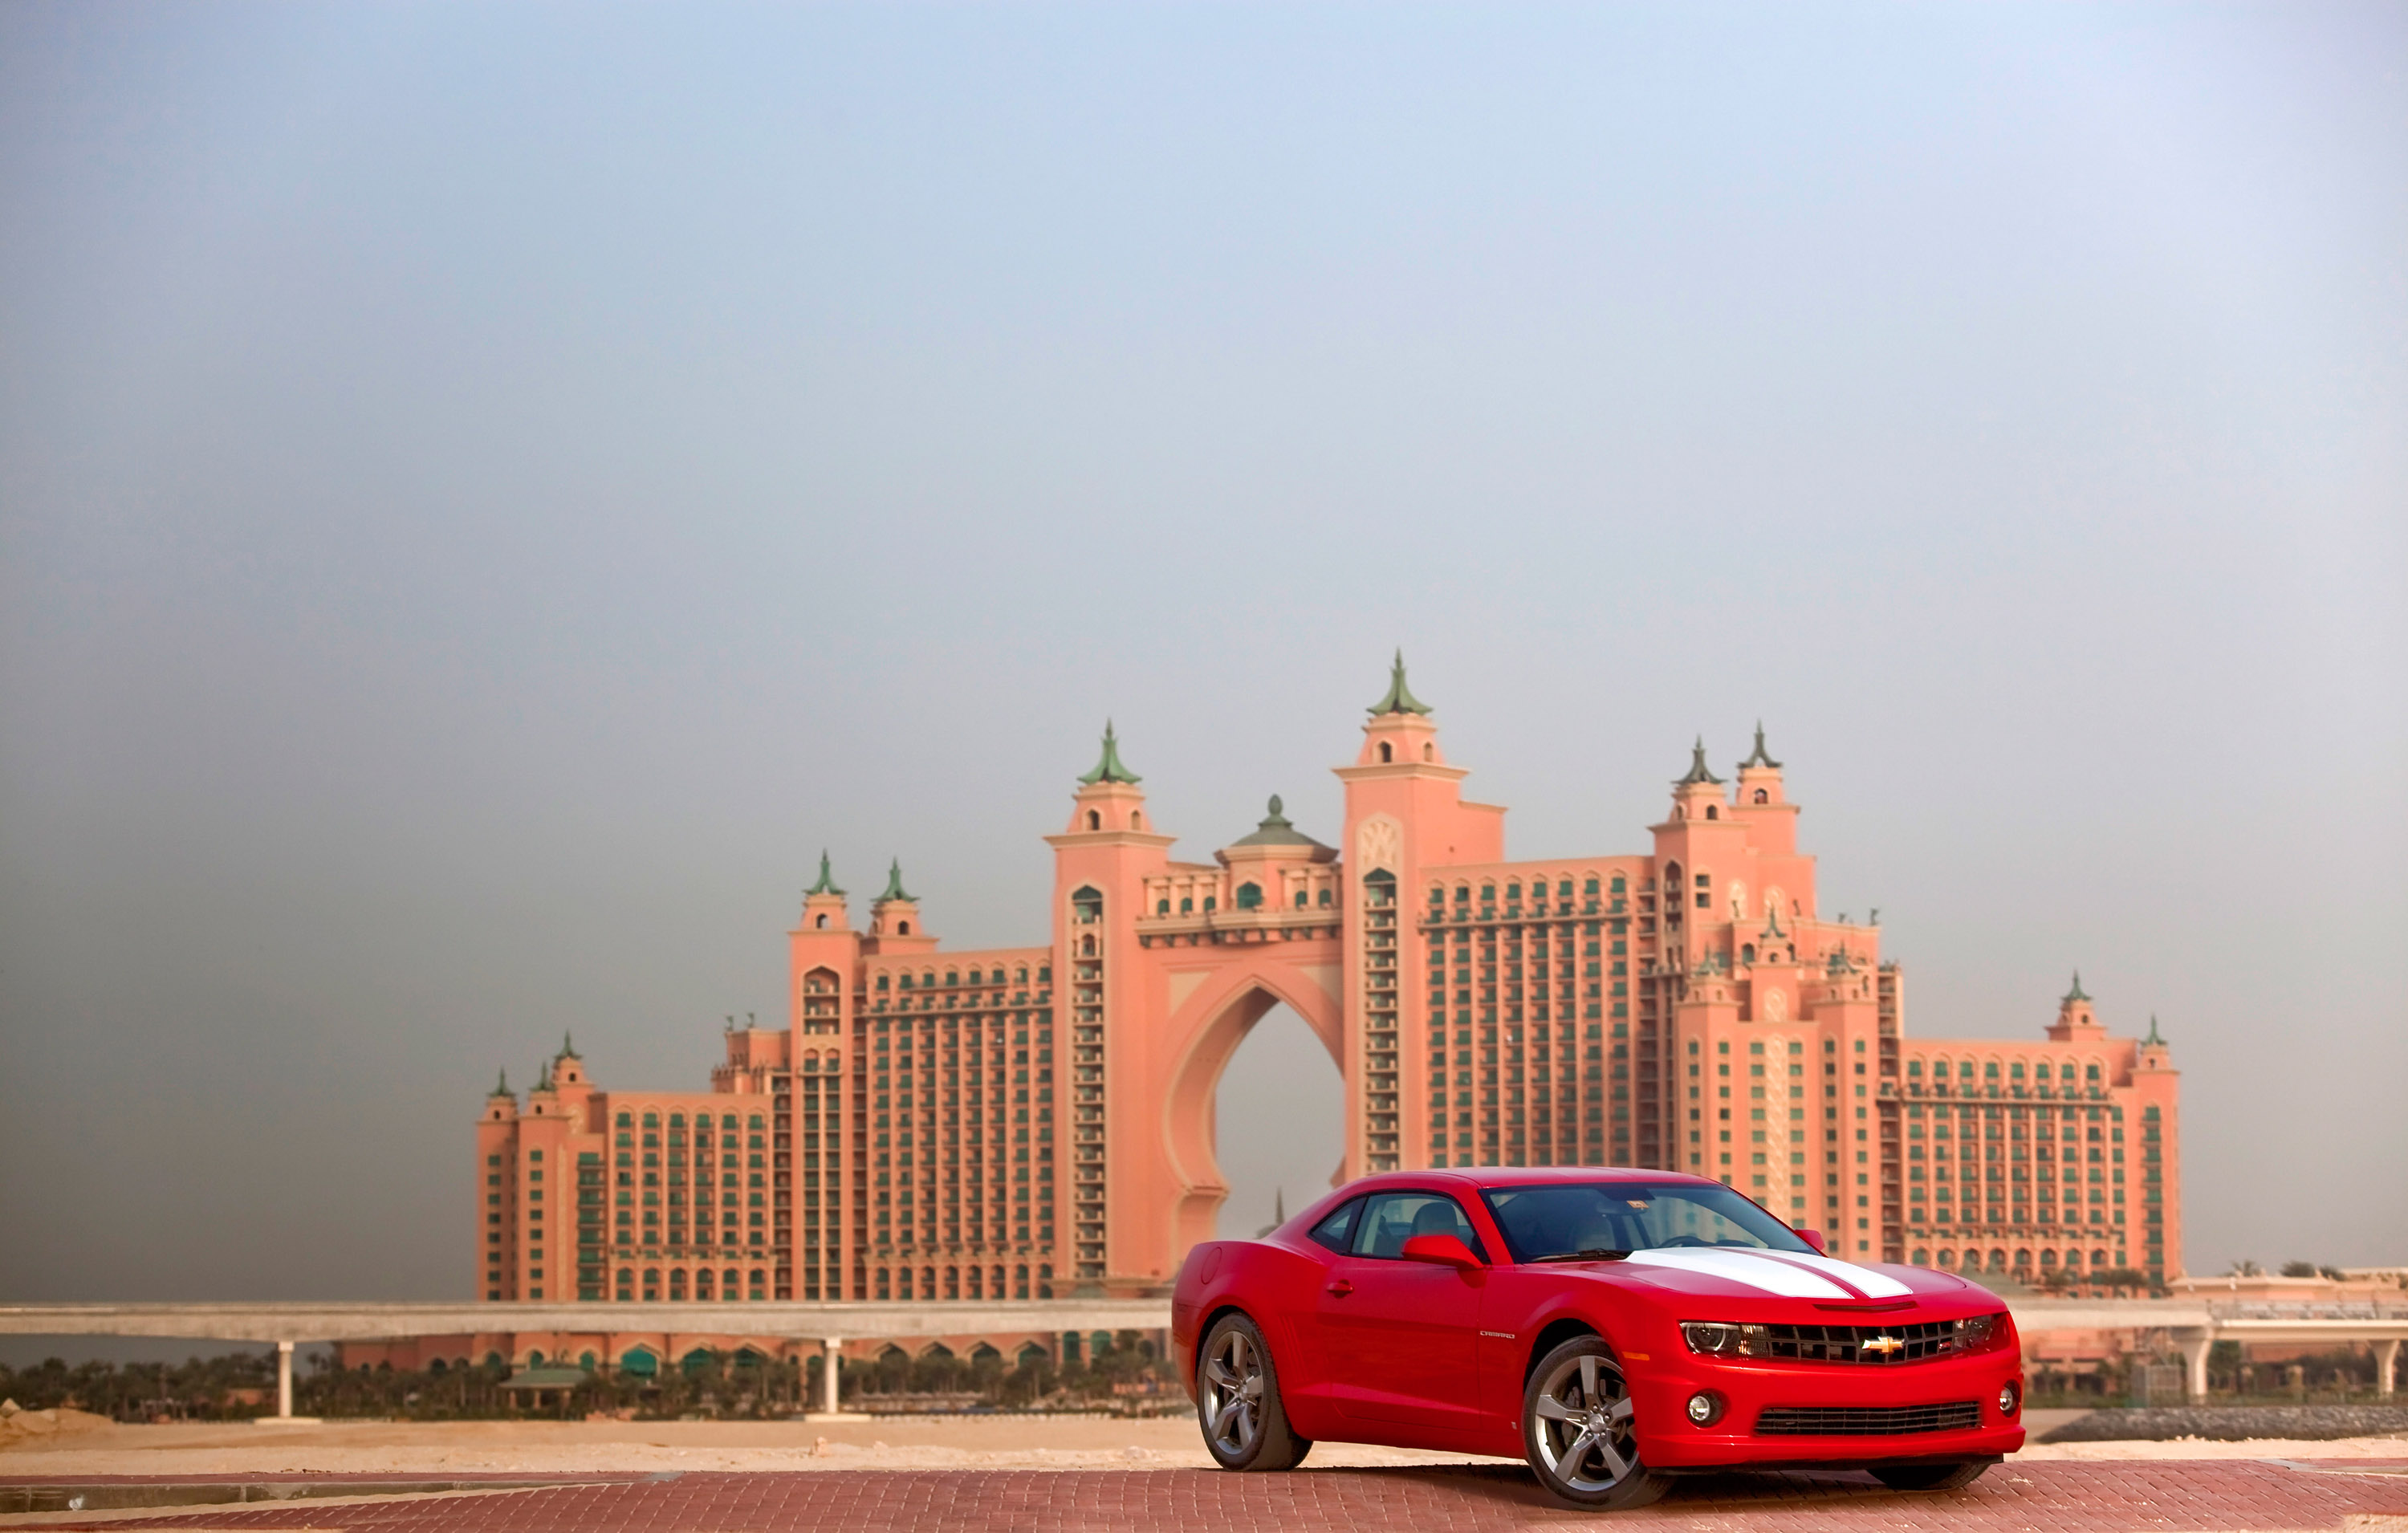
(1763, 798)
(1186, 905)
(821, 923)
(1249, 896)
(1429, 753)
(1087, 946)
(1162, 906)
(1095, 819)
(1021, 975)
(1087, 905)
(1387, 752)
(1137, 821)
(1713, 811)
(1300, 899)
(902, 929)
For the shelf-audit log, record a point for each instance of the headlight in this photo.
(1717, 1338)
(1974, 1333)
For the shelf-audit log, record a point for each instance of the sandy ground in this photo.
(888, 1444)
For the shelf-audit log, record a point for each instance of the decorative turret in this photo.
(1399, 732)
(1108, 799)
(826, 884)
(1399, 697)
(823, 906)
(1698, 794)
(1759, 775)
(895, 914)
(567, 1066)
(2074, 1018)
(894, 890)
(1109, 769)
(501, 1103)
(1699, 770)
(1759, 757)
(1276, 829)
(2152, 1053)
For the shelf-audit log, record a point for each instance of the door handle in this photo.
(1341, 1288)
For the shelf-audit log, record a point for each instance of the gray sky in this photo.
(486, 494)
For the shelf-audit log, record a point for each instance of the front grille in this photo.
(1887, 1421)
(1846, 1343)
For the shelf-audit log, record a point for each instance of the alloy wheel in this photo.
(1584, 1431)
(1233, 1394)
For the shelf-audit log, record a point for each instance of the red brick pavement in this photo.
(2159, 1495)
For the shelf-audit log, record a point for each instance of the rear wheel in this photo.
(1579, 1433)
(1238, 1401)
(1930, 1476)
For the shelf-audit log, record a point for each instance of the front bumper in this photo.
(1668, 1440)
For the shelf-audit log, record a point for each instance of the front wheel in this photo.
(1238, 1401)
(1930, 1476)
(1578, 1430)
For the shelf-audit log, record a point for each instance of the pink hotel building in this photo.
(1034, 1122)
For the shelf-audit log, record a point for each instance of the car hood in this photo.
(1725, 1272)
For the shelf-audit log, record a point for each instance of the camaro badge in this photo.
(1883, 1344)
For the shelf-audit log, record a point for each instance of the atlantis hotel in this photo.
(1034, 1122)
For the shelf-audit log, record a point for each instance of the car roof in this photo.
(1522, 1176)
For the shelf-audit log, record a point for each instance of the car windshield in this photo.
(1556, 1221)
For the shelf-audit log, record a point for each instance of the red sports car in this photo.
(1613, 1327)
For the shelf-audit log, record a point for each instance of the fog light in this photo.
(1705, 1408)
(2008, 1395)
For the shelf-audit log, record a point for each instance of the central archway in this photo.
(1279, 1124)
(1208, 1028)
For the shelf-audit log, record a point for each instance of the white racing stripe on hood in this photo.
(1870, 1283)
(1748, 1269)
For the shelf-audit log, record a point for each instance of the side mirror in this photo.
(1443, 1249)
(1814, 1238)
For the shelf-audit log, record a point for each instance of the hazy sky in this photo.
(487, 494)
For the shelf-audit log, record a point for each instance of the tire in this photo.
(1578, 1430)
(1930, 1476)
(1238, 1401)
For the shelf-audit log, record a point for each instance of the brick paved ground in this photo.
(2159, 1495)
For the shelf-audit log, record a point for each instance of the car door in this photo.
(1398, 1336)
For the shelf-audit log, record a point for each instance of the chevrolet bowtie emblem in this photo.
(1883, 1344)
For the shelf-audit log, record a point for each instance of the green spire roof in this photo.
(1109, 769)
(826, 884)
(1276, 830)
(1760, 758)
(502, 1086)
(1699, 771)
(895, 889)
(1399, 697)
(2075, 994)
(2153, 1040)
(568, 1048)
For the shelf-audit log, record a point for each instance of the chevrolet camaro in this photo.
(1613, 1327)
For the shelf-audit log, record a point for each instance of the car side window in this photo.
(1388, 1220)
(1335, 1231)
